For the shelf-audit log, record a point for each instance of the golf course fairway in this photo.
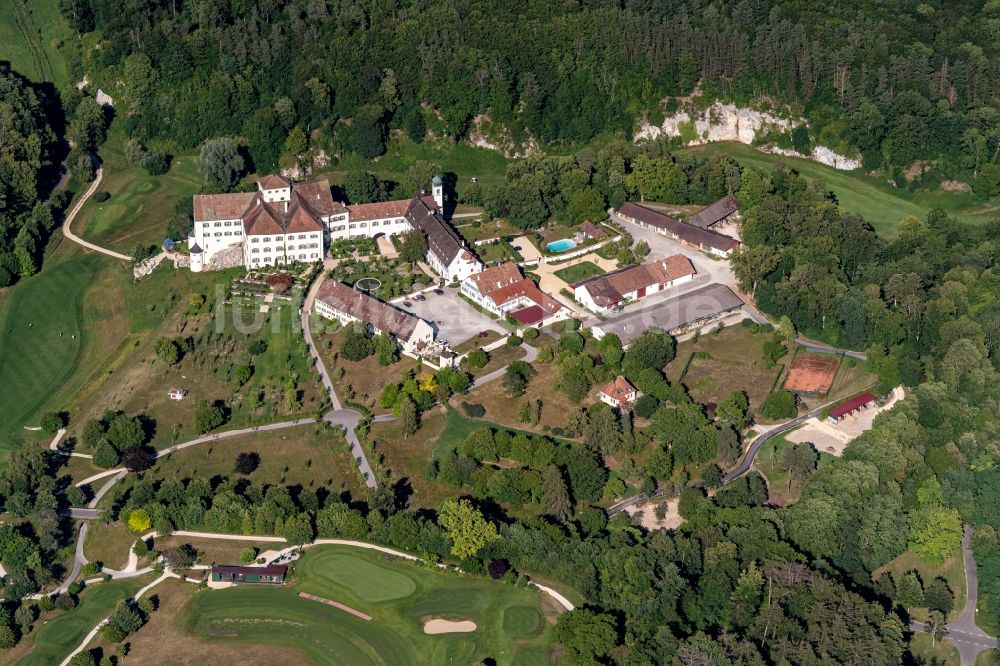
(512, 627)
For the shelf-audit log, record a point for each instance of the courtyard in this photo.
(453, 319)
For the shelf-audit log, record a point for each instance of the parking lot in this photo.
(454, 320)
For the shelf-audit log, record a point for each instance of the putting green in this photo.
(521, 621)
(399, 595)
(144, 186)
(367, 580)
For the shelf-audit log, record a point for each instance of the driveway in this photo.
(453, 319)
(660, 246)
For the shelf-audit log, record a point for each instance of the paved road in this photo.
(745, 464)
(347, 419)
(827, 349)
(214, 437)
(530, 354)
(963, 632)
(809, 345)
(78, 560)
(71, 215)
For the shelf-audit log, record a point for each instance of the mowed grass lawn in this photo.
(54, 639)
(952, 570)
(511, 622)
(141, 205)
(578, 272)
(35, 360)
(878, 202)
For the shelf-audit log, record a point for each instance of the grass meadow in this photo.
(513, 624)
(782, 488)
(31, 35)
(874, 199)
(952, 570)
(716, 364)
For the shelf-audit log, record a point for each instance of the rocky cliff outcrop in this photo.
(728, 122)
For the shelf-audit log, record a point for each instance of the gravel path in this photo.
(71, 215)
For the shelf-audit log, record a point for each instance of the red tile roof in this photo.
(211, 207)
(368, 309)
(611, 288)
(530, 315)
(852, 404)
(299, 218)
(262, 220)
(619, 389)
(527, 289)
(272, 182)
(591, 230)
(378, 210)
(495, 277)
(317, 193)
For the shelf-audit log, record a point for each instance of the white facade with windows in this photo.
(283, 222)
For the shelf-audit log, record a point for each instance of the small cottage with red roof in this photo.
(619, 393)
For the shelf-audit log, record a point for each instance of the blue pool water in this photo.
(561, 245)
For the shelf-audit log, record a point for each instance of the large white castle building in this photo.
(284, 222)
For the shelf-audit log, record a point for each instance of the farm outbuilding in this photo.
(852, 406)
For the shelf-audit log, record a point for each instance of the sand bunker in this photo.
(439, 626)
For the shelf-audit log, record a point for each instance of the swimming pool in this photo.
(561, 245)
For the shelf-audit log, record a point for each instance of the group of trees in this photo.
(924, 90)
(415, 394)
(28, 161)
(117, 438)
(923, 306)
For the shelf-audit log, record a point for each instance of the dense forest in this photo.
(27, 157)
(895, 81)
(926, 307)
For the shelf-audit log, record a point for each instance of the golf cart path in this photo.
(71, 215)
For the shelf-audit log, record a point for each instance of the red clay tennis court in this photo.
(812, 373)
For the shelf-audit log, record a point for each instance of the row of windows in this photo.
(228, 233)
(301, 257)
(267, 239)
(227, 223)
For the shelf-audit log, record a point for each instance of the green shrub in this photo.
(473, 409)
(779, 405)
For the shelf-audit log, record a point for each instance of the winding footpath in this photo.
(71, 215)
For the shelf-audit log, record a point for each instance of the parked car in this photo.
(420, 297)
(407, 304)
(443, 342)
(616, 309)
(439, 291)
